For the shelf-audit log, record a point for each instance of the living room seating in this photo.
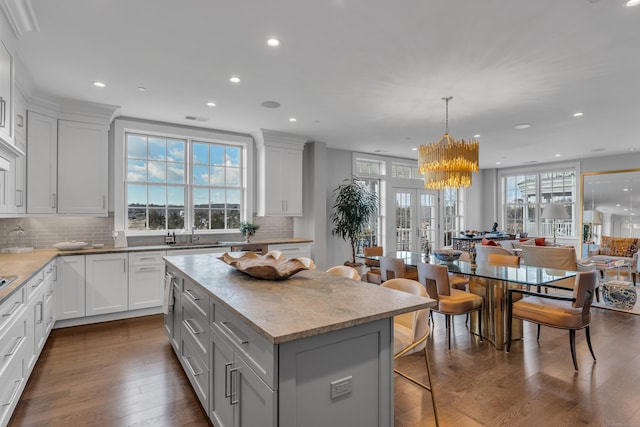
(557, 311)
(618, 248)
(554, 257)
(344, 271)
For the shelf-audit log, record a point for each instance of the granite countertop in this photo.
(25, 265)
(309, 303)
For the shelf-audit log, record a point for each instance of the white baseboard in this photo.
(107, 317)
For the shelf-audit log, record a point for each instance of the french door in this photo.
(416, 219)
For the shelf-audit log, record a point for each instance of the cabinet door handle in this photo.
(13, 310)
(15, 392)
(39, 311)
(193, 330)
(54, 199)
(103, 201)
(124, 265)
(191, 295)
(187, 360)
(19, 198)
(37, 283)
(15, 347)
(234, 390)
(227, 392)
(3, 111)
(235, 333)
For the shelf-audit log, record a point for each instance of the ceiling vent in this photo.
(196, 118)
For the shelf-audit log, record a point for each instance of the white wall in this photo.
(338, 168)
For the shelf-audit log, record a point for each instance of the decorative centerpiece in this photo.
(447, 255)
(248, 229)
(264, 266)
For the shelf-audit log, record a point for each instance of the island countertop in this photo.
(309, 303)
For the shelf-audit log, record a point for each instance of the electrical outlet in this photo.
(341, 387)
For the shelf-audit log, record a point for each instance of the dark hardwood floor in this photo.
(125, 373)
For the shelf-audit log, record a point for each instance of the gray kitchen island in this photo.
(311, 350)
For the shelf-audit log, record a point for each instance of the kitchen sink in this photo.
(6, 280)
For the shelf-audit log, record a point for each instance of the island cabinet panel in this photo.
(339, 378)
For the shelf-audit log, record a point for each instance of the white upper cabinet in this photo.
(6, 95)
(279, 173)
(42, 166)
(67, 166)
(82, 168)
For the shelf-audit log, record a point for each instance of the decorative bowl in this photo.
(70, 246)
(447, 255)
(263, 266)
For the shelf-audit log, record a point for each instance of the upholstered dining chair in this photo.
(395, 268)
(278, 255)
(308, 262)
(410, 333)
(344, 271)
(451, 302)
(557, 311)
(505, 260)
(373, 275)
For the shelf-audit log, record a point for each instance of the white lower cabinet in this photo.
(146, 279)
(70, 288)
(106, 283)
(13, 348)
(292, 250)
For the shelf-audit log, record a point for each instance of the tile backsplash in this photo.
(44, 232)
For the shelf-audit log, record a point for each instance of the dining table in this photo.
(492, 283)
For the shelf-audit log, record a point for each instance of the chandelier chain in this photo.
(446, 99)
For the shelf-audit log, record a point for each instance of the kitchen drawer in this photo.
(12, 382)
(197, 295)
(293, 250)
(12, 307)
(194, 323)
(195, 368)
(12, 342)
(146, 258)
(34, 284)
(256, 350)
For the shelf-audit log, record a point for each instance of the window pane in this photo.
(157, 219)
(157, 172)
(217, 176)
(175, 151)
(217, 219)
(233, 156)
(201, 219)
(201, 197)
(176, 219)
(233, 177)
(233, 218)
(201, 175)
(217, 198)
(233, 198)
(201, 154)
(175, 197)
(157, 149)
(137, 195)
(157, 196)
(137, 219)
(136, 146)
(175, 173)
(217, 155)
(136, 171)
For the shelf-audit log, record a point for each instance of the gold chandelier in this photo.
(448, 163)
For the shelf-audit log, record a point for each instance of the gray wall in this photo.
(338, 168)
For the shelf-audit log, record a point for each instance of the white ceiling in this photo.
(364, 75)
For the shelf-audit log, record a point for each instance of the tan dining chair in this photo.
(394, 268)
(410, 333)
(308, 262)
(451, 302)
(373, 275)
(556, 310)
(278, 255)
(344, 271)
(505, 260)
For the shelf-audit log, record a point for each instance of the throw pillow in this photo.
(519, 245)
(540, 241)
(487, 242)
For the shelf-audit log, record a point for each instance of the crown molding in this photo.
(19, 14)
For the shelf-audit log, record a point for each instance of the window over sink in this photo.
(180, 179)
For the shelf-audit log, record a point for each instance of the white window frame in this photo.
(554, 167)
(119, 160)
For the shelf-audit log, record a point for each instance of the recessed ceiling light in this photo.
(273, 42)
(557, 155)
(477, 135)
(625, 189)
(211, 104)
(234, 79)
(522, 126)
(99, 84)
(618, 205)
(632, 3)
(498, 163)
(292, 119)
(141, 89)
(578, 114)
(414, 148)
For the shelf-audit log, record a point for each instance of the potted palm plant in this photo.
(354, 207)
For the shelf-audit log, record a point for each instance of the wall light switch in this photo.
(341, 387)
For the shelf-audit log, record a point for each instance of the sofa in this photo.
(555, 257)
(618, 248)
(507, 247)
